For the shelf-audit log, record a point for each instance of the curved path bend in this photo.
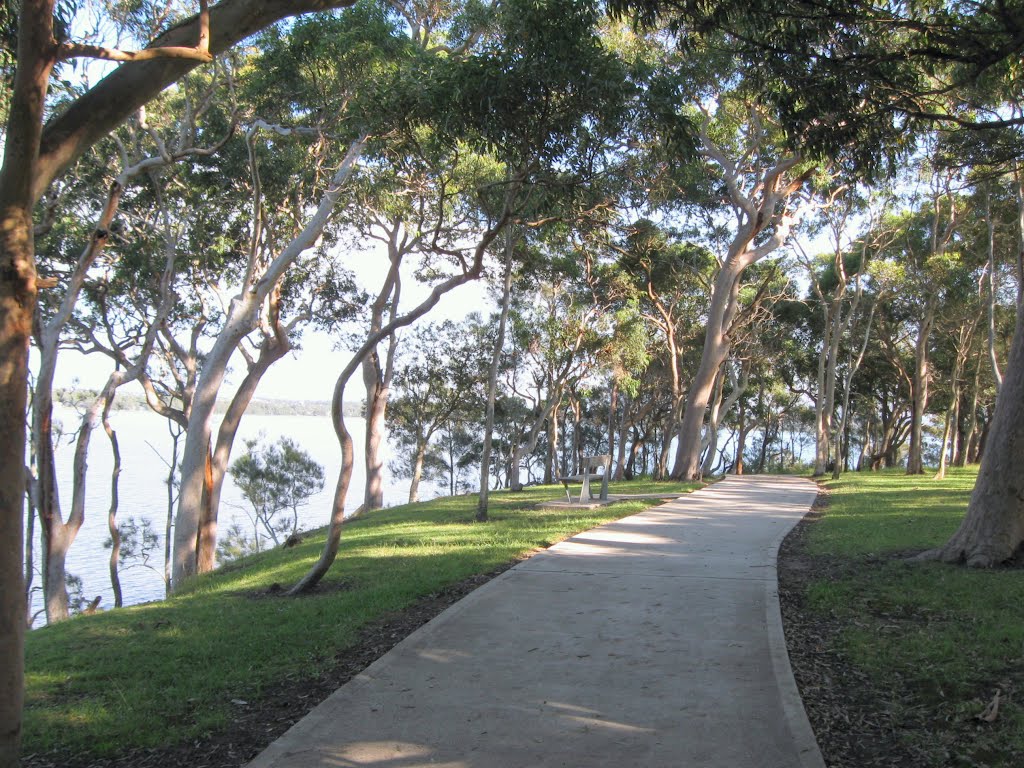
(655, 640)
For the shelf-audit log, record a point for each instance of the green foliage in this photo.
(102, 684)
(437, 394)
(139, 543)
(273, 479)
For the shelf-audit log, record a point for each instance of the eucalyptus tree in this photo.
(880, 72)
(540, 93)
(837, 282)
(359, 48)
(147, 150)
(435, 392)
(762, 180)
(671, 282)
(556, 341)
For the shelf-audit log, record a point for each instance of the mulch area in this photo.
(259, 722)
(847, 711)
(861, 722)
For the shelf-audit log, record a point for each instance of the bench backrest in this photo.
(593, 462)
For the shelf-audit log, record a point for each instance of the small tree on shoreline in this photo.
(274, 479)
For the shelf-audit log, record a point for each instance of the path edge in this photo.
(792, 703)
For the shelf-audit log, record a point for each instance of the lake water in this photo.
(145, 446)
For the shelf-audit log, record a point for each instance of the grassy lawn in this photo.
(167, 672)
(939, 639)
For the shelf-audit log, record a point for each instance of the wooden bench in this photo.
(589, 472)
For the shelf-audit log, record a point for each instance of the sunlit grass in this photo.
(167, 672)
(948, 635)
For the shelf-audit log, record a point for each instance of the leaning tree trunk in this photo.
(241, 320)
(993, 529)
(417, 472)
(716, 349)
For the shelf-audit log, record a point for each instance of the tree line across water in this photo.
(131, 401)
(706, 229)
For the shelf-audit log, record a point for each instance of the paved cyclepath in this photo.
(651, 641)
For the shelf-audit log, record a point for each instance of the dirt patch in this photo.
(259, 722)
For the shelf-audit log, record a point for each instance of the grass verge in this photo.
(177, 671)
(934, 642)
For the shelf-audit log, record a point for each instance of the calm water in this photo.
(145, 447)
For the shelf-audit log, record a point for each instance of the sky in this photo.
(308, 373)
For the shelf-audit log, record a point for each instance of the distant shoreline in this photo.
(258, 407)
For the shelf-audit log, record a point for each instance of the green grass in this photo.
(946, 635)
(163, 673)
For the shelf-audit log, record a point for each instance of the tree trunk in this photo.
(991, 283)
(919, 396)
(993, 529)
(417, 472)
(206, 536)
(852, 366)
(521, 448)
(30, 537)
(624, 427)
(709, 442)
(376, 408)
(714, 353)
(115, 534)
(821, 420)
(613, 407)
(330, 550)
(968, 442)
(172, 469)
(273, 348)
(241, 320)
(741, 439)
(550, 465)
(492, 383)
(196, 451)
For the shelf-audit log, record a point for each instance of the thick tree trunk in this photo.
(206, 536)
(709, 442)
(195, 453)
(993, 529)
(714, 353)
(241, 320)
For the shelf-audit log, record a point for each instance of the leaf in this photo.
(991, 712)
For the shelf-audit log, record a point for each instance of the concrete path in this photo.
(651, 641)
